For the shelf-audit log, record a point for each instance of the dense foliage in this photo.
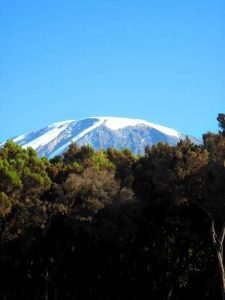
(111, 225)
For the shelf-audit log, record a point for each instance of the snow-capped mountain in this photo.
(101, 133)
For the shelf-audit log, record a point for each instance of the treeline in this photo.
(111, 225)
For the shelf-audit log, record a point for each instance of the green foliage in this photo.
(5, 205)
(57, 160)
(123, 161)
(71, 154)
(171, 173)
(78, 154)
(21, 171)
(100, 162)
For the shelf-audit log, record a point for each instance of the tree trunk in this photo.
(46, 286)
(170, 292)
(218, 248)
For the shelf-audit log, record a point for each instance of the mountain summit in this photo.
(100, 132)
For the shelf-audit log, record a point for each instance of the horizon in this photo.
(163, 63)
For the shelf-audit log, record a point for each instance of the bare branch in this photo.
(222, 234)
(213, 233)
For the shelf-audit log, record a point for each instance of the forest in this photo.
(110, 225)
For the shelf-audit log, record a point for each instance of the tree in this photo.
(86, 194)
(22, 172)
(214, 194)
(168, 179)
(221, 120)
(123, 161)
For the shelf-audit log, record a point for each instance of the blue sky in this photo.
(159, 60)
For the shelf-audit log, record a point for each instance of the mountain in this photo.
(100, 132)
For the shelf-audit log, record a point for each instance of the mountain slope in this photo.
(100, 132)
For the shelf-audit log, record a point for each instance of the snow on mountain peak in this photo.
(58, 124)
(48, 136)
(100, 132)
(118, 123)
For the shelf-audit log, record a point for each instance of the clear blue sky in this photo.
(159, 60)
